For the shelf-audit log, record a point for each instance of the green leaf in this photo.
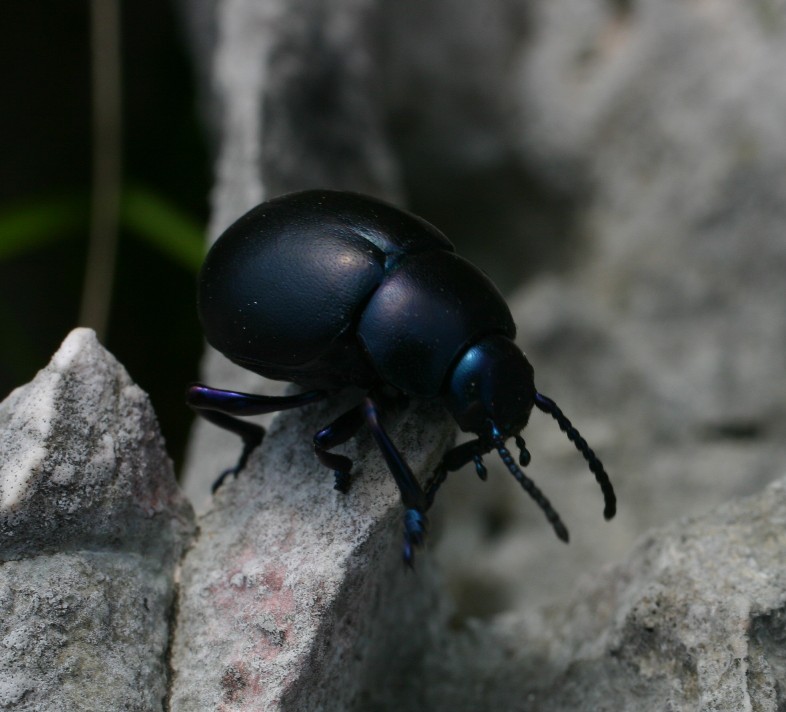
(30, 225)
(36, 223)
(163, 226)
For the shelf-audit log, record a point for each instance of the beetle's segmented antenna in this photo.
(596, 466)
(529, 486)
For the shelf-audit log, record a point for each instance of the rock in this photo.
(92, 525)
(669, 118)
(693, 619)
(294, 594)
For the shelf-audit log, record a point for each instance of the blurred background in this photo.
(45, 185)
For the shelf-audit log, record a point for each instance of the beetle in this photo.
(331, 289)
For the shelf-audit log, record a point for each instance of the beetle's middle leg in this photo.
(222, 408)
(337, 433)
(412, 494)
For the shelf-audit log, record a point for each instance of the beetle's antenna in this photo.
(596, 466)
(529, 486)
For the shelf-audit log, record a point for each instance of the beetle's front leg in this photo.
(455, 459)
(221, 407)
(337, 433)
(412, 495)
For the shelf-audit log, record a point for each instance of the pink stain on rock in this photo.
(259, 608)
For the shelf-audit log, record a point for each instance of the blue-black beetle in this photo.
(330, 289)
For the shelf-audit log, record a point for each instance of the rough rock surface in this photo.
(92, 525)
(694, 619)
(292, 585)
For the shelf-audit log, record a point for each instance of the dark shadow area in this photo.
(46, 122)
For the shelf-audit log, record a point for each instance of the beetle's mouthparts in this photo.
(524, 456)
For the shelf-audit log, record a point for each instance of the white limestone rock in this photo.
(92, 525)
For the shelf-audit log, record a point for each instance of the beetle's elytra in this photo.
(330, 289)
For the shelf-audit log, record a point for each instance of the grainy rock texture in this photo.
(91, 527)
(294, 594)
(694, 620)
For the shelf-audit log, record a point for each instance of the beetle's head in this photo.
(490, 392)
(491, 385)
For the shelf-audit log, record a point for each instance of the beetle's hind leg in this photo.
(338, 432)
(222, 408)
(412, 495)
(250, 433)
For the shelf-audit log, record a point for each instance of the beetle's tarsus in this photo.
(415, 528)
(343, 481)
(252, 439)
(232, 471)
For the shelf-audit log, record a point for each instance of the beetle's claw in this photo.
(251, 441)
(343, 480)
(229, 472)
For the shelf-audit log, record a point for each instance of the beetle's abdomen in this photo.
(424, 315)
(281, 302)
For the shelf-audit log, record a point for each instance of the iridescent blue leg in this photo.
(412, 495)
(221, 408)
(338, 432)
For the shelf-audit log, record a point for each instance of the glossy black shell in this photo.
(329, 289)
